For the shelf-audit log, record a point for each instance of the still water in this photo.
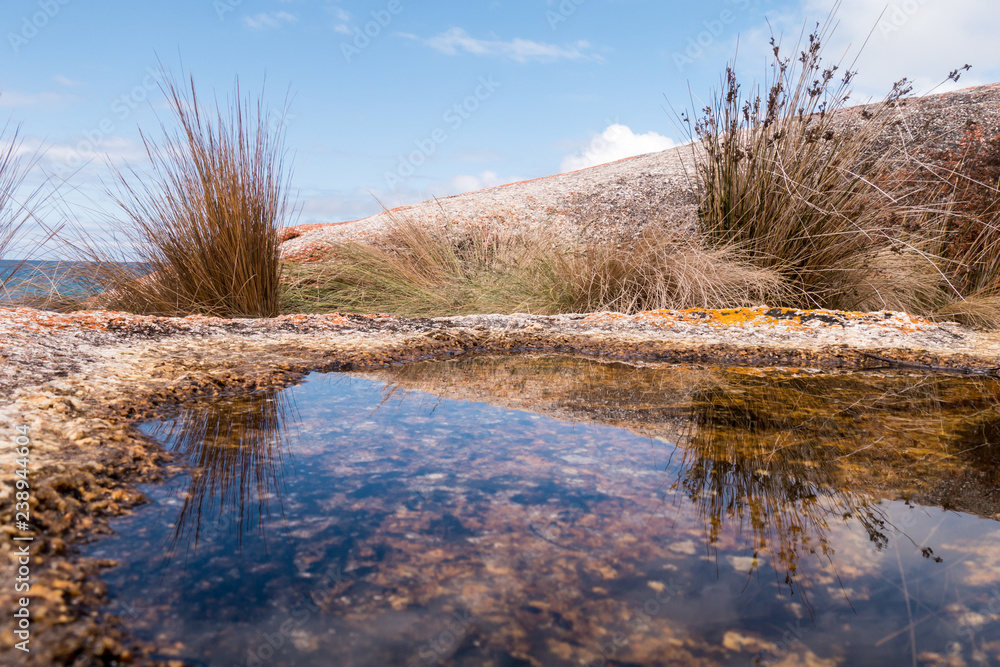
(559, 511)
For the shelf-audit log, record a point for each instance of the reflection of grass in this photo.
(775, 458)
(236, 452)
(781, 460)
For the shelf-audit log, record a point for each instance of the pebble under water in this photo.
(562, 511)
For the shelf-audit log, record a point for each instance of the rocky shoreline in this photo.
(81, 382)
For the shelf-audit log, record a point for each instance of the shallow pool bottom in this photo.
(357, 521)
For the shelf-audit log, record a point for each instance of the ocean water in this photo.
(35, 278)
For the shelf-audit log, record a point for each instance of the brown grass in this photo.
(415, 270)
(971, 243)
(790, 175)
(16, 204)
(204, 223)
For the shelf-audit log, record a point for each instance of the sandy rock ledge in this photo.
(81, 382)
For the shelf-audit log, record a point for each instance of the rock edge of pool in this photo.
(80, 383)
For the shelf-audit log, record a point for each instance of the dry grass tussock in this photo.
(415, 270)
(970, 247)
(204, 223)
(791, 176)
(807, 187)
(17, 203)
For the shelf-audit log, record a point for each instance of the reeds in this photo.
(204, 223)
(791, 175)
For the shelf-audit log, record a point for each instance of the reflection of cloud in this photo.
(456, 40)
(615, 143)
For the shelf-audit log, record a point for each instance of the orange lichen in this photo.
(765, 317)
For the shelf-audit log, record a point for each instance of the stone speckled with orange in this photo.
(81, 381)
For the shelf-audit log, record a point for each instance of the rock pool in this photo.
(565, 511)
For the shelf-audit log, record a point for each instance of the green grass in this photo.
(420, 271)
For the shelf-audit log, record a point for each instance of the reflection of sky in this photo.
(404, 514)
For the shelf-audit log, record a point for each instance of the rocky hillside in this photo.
(951, 131)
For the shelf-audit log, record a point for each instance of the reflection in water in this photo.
(772, 457)
(780, 458)
(236, 450)
(667, 516)
(762, 460)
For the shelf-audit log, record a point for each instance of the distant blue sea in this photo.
(30, 277)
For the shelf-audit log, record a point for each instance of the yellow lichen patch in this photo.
(765, 317)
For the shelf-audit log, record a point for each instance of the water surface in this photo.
(593, 514)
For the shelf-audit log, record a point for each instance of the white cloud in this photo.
(472, 182)
(66, 81)
(335, 206)
(615, 143)
(411, 193)
(344, 22)
(457, 40)
(12, 99)
(268, 20)
(920, 39)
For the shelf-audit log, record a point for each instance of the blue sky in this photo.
(401, 100)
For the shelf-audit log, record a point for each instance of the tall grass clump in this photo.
(790, 175)
(420, 271)
(203, 224)
(15, 205)
(971, 245)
